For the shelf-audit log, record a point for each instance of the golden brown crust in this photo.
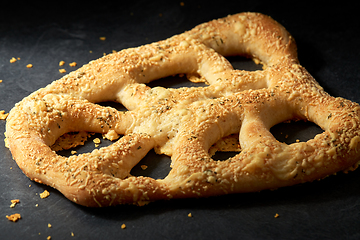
(184, 123)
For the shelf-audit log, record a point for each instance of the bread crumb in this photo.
(123, 226)
(73, 152)
(297, 140)
(189, 215)
(14, 217)
(61, 63)
(72, 234)
(143, 167)
(62, 70)
(44, 194)
(48, 238)
(276, 215)
(0, 81)
(73, 64)
(14, 202)
(29, 65)
(36, 205)
(102, 38)
(182, 4)
(3, 115)
(97, 142)
(49, 225)
(12, 60)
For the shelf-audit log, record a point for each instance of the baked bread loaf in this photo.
(184, 123)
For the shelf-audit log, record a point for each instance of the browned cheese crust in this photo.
(184, 123)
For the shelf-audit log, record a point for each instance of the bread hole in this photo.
(295, 131)
(118, 106)
(179, 81)
(152, 165)
(227, 147)
(75, 143)
(244, 63)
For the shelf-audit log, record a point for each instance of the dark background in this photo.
(328, 39)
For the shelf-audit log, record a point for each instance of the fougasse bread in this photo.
(184, 123)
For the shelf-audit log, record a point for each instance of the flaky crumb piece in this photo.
(62, 70)
(102, 38)
(14, 202)
(12, 60)
(49, 225)
(14, 217)
(29, 65)
(73, 64)
(3, 115)
(97, 142)
(143, 167)
(276, 215)
(48, 238)
(44, 194)
(72, 234)
(61, 63)
(123, 226)
(189, 215)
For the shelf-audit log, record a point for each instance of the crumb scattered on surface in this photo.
(97, 142)
(143, 167)
(182, 4)
(48, 238)
(12, 60)
(49, 225)
(29, 65)
(73, 152)
(73, 64)
(102, 38)
(62, 70)
(276, 215)
(3, 115)
(189, 215)
(123, 226)
(61, 63)
(14, 217)
(72, 234)
(14, 202)
(44, 194)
